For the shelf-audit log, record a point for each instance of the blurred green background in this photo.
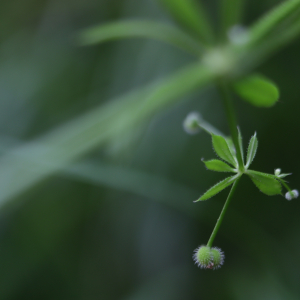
(119, 223)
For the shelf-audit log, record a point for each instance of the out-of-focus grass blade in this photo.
(280, 37)
(231, 13)
(273, 44)
(139, 29)
(268, 22)
(190, 14)
(29, 164)
(135, 181)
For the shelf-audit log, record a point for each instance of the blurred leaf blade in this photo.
(25, 166)
(257, 90)
(139, 29)
(192, 15)
(277, 41)
(231, 14)
(270, 20)
(240, 139)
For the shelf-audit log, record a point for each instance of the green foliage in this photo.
(231, 13)
(252, 148)
(283, 175)
(218, 187)
(45, 81)
(191, 15)
(217, 165)
(257, 90)
(270, 21)
(266, 183)
(140, 29)
(93, 129)
(222, 149)
(240, 139)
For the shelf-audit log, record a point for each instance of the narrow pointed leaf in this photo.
(284, 175)
(218, 187)
(252, 148)
(222, 149)
(257, 90)
(270, 20)
(266, 183)
(240, 138)
(190, 14)
(218, 166)
(231, 147)
(139, 29)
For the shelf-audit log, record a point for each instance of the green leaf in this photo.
(240, 139)
(139, 29)
(266, 183)
(252, 148)
(218, 187)
(269, 21)
(191, 15)
(257, 90)
(222, 149)
(218, 165)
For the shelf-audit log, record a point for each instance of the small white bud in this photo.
(238, 35)
(292, 195)
(191, 123)
(277, 172)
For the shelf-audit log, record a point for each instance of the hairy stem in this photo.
(229, 109)
(221, 217)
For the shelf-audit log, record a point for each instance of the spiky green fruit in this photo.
(217, 258)
(203, 257)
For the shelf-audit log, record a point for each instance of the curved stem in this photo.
(284, 184)
(220, 219)
(231, 121)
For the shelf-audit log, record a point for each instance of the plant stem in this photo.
(220, 219)
(231, 121)
(285, 185)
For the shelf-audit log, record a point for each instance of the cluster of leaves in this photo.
(269, 184)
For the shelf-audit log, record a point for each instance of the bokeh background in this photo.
(120, 222)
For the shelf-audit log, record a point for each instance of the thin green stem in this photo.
(221, 217)
(229, 109)
(284, 184)
(208, 128)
